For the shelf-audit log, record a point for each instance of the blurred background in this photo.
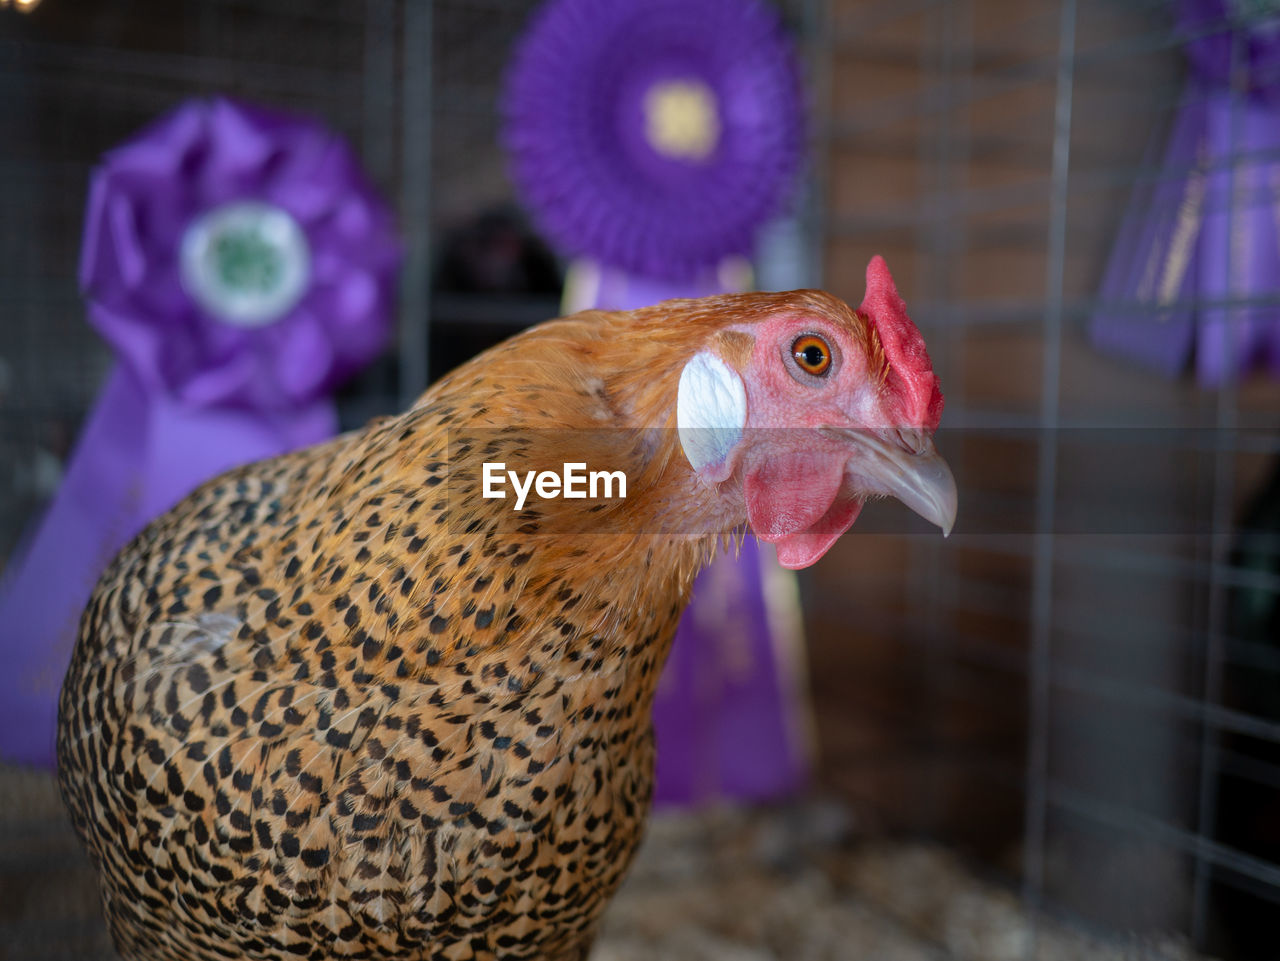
(1056, 733)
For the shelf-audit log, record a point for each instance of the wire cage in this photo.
(1070, 686)
(1079, 691)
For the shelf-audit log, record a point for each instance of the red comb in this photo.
(911, 377)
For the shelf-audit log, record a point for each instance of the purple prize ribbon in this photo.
(651, 139)
(240, 266)
(1197, 257)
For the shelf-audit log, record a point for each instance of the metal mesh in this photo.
(1086, 703)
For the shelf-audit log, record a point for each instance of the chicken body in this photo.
(340, 705)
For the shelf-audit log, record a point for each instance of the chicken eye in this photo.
(812, 354)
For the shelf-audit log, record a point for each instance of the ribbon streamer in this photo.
(240, 266)
(731, 716)
(1194, 275)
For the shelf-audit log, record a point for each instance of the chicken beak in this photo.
(907, 467)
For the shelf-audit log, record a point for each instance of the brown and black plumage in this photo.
(338, 705)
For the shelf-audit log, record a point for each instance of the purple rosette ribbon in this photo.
(651, 139)
(1194, 275)
(240, 266)
(654, 136)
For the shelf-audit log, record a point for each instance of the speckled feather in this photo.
(332, 706)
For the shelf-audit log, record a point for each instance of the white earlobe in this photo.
(711, 412)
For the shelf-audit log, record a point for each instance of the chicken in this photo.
(341, 704)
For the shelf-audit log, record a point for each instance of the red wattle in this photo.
(804, 548)
(795, 502)
(787, 493)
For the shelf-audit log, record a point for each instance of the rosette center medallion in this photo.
(246, 263)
